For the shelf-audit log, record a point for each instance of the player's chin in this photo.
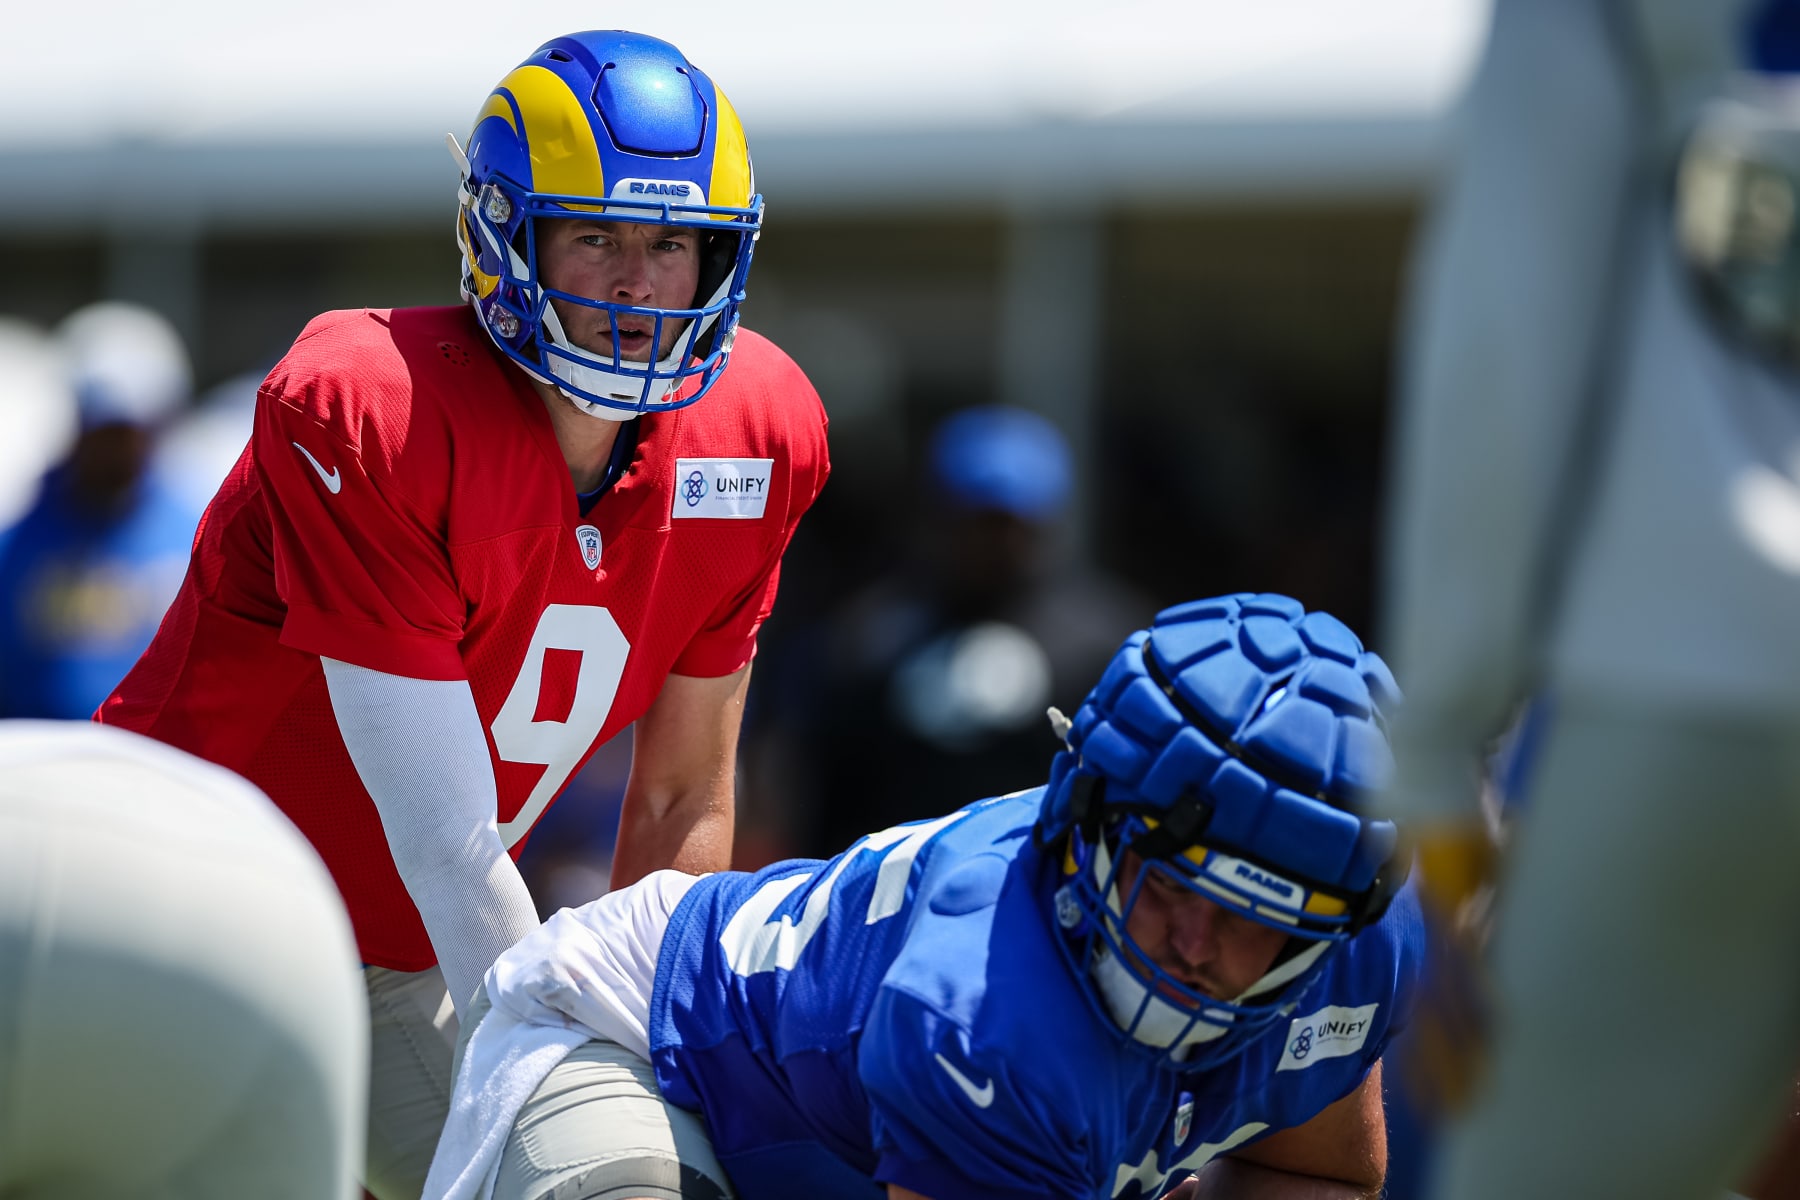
(631, 349)
(1210, 990)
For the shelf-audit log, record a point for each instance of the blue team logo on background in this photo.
(694, 489)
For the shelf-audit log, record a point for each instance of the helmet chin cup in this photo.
(1146, 1016)
(618, 389)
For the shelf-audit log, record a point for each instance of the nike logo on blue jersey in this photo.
(981, 1097)
(333, 481)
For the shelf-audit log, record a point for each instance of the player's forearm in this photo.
(1235, 1179)
(689, 832)
(419, 749)
(473, 910)
(680, 801)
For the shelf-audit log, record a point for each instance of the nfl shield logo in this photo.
(589, 537)
(1184, 1119)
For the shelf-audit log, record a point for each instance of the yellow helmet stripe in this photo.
(565, 160)
(1195, 854)
(499, 105)
(1321, 905)
(730, 185)
(484, 283)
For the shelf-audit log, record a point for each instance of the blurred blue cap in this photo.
(1001, 458)
(127, 364)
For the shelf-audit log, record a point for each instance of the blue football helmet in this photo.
(610, 126)
(1224, 747)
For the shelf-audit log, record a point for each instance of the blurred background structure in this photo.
(1174, 230)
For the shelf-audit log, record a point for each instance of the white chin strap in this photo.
(1161, 1023)
(598, 376)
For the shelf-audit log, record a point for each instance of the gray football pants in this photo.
(412, 1033)
(1647, 962)
(598, 1128)
(180, 1015)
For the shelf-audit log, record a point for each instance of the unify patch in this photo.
(728, 488)
(1332, 1032)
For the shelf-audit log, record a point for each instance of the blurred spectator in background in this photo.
(929, 687)
(569, 858)
(198, 449)
(87, 571)
(37, 414)
(1598, 501)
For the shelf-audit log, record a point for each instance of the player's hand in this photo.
(1447, 1055)
(1187, 1189)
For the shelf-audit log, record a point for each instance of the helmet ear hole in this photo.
(719, 253)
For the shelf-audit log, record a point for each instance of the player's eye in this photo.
(1165, 884)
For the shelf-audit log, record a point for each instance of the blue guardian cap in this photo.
(1225, 747)
(607, 126)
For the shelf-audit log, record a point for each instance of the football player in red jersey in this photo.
(467, 545)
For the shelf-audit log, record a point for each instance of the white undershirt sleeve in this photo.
(420, 750)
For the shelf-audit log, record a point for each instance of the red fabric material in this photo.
(451, 534)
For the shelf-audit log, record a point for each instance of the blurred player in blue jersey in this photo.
(1598, 502)
(1185, 952)
(88, 570)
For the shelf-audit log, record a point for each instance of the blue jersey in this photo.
(900, 1014)
(82, 593)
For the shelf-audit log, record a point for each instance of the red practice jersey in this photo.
(403, 505)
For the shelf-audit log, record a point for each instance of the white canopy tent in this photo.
(211, 113)
(155, 126)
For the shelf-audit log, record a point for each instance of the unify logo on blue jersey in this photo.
(727, 488)
(1332, 1032)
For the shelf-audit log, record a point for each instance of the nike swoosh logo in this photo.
(981, 1096)
(333, 481)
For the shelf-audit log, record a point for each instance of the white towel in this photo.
(586, 973)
